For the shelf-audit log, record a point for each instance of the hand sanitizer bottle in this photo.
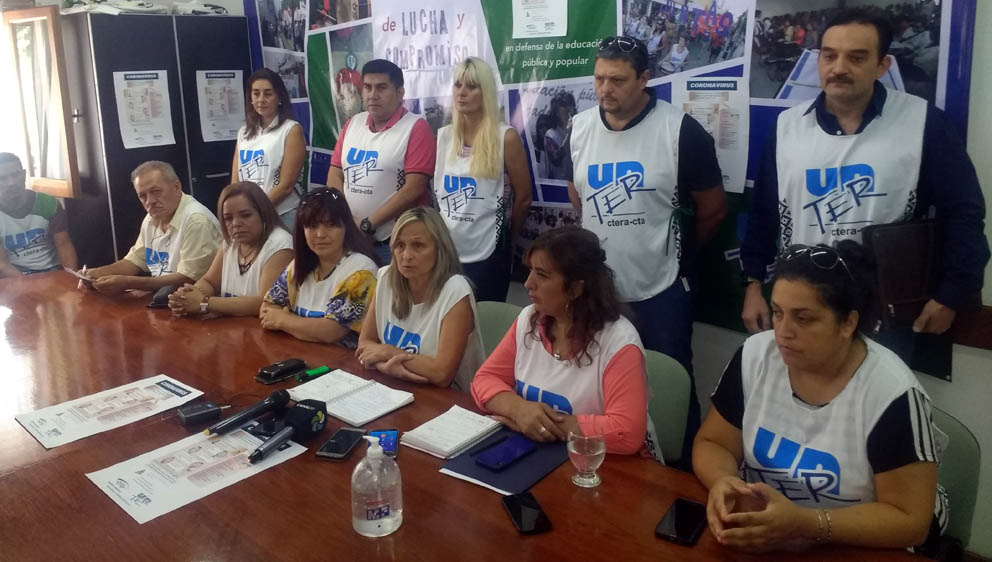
(376, 493)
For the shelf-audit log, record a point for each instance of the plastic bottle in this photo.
(376, 493)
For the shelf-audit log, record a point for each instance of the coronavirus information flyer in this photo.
(180, 473)
(69, 421)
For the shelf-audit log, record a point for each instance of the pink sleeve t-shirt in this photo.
(624, 416)
(421, 149)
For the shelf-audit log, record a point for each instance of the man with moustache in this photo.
(645, 177)
(862, 154)
(176, 243)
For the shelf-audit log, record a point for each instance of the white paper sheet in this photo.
(170, 477)
(540, 18)
(329, 387)
(352, 399)
(143, 108)
(69, 421)
(721, 106)
(220, 95)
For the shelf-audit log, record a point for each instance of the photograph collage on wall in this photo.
(687, 35)
(283, 27)
(547, 112)
(787, 40)
(541, 219)
(724, 50)
(350, 48)
(436, 110)
(325, 13)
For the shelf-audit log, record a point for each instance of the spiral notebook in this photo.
(450, 433)
(353, 400)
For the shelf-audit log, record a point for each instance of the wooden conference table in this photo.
(58, 343)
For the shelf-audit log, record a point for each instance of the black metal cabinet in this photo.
(199, 49)
(104, 222)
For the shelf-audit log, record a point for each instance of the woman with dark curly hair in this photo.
(572, 362)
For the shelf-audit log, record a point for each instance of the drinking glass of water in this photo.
(586, 453)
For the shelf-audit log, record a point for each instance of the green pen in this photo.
(313, 373)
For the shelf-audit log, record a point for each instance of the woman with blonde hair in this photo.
(422, 324)
(480, 174)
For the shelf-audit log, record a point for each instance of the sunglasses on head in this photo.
(621, 42)
(823, 257)
(320, 193)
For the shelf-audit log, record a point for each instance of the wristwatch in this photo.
(366, 226)
(748, 280)
(203, 305)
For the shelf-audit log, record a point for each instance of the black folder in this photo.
(908, 264)
(514, 479)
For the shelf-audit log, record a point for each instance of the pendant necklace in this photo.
(245, 264)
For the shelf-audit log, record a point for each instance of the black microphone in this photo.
(304, 420)
(275, 401)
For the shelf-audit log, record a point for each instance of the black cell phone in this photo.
(683, 523)
(341, 443)
(388, 440)
(526, 513)
(280, 371)
(505, 453)
(161, 297)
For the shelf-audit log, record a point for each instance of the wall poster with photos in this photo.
(770, 47)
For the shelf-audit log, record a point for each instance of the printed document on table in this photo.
(144, 111)
(220, 95)
(172, 476)
(69, 421)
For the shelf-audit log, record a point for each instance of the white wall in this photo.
(968, 397)
(979, 117)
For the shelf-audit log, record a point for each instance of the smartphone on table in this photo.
(506, 452)
(341, 443)
(526, 513)
(388, 440)
(683, 523)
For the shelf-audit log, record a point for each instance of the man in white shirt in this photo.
(176, 243)
(384, 158)
(33, 226)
